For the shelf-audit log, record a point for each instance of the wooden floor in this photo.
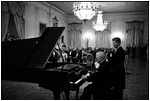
(137, 86)
(137, 83)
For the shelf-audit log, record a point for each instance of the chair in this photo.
(89, 61)
(127, 65)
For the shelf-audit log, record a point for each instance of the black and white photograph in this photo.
(75, 50)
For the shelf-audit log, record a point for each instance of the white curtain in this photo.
(74, 35)
(17, 10)
(5, 22)
(5, 19)
(19, 25)
(102, 37)
(134, 34)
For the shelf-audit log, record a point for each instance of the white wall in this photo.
(41, 12)
(29, 21)
(61, 21)
(35, 13)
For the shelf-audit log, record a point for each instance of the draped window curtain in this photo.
(74, 35)
(17, 10)
(5, 19)
(134, 34)
(102, 37)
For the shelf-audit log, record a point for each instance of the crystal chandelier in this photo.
(99, 25)
(85, 10)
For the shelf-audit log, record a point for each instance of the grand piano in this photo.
(26, 60)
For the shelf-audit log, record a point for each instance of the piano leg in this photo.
(77, 93)
(56, 95)
(67, 94)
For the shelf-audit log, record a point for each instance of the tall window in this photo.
(134, 34)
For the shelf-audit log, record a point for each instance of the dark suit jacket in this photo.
(54, 58)
(101, 78)
(117, 67)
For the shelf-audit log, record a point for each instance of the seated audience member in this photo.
(94, 53)
(134, 50)
(90, 62)
(73, 55)
(65, 56)
(99, 88)
(54, 56)
(84, 54)
(64, 53)
(69, 55)
(128, 48)
(79, 57)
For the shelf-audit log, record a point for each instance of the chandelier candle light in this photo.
(85, 10)
(99, 25)
(87, 42)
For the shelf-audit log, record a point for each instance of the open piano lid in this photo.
(32, 52)
(23, 60)
(44, 47)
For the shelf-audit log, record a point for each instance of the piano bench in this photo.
(68, 89)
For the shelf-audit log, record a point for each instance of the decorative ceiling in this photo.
(106, 7)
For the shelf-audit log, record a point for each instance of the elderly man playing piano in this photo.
(100, 87)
